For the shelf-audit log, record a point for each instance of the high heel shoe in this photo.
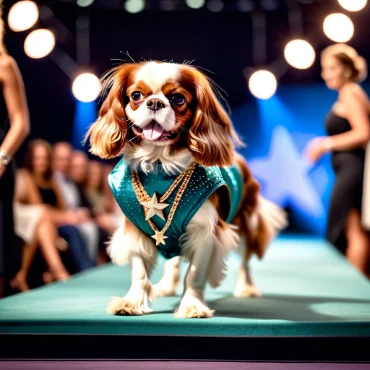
(58, 273)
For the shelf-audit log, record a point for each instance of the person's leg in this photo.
(77, 253)
(358, 247)
(19, 282)
(47, 236)
(10, 248)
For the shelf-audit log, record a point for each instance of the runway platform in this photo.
(315, 307)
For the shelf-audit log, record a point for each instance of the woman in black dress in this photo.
(14, 128)
(348, 128)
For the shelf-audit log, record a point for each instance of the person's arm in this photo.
(357, 137)
(16, 103)
(33, 195)
(358, 117)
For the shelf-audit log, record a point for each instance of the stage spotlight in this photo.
(134, 6)
(299, 54)
(39, 43)
(84, 3)
(86, 87)
(23, 15)
(215, 5)
(338, 27)
(195, 4)
(353, 5)
(262, 84)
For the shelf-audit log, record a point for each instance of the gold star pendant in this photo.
(154, 208)
(159, 238)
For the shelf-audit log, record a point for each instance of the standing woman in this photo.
(348, 128)
(14, 128)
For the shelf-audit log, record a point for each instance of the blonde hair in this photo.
(349, 57)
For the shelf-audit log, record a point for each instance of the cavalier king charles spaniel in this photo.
(166, 121)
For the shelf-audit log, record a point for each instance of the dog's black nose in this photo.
(155, 104)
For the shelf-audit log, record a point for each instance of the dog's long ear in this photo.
(108, 134)
(211, 136)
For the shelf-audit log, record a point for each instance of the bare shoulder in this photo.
(7, 62)
(353, 90)
(8, 66)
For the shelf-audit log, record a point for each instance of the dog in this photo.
(181, 185)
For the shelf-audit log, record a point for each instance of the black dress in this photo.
(346, 195)
(9, 245)
(48, 196)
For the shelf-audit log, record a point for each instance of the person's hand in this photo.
(105, 222)
(316, 148)
(2, 170)
(83, 214)
(73, 218)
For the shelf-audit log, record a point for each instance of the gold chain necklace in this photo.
(152, 206)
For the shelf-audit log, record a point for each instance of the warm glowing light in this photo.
(39, 43)
(23, 15)
(263, 84)
(299, 54)
(338, 27)
(86, 87)
(353, 5)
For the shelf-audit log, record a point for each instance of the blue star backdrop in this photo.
(276, 132)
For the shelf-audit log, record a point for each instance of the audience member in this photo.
(75, 198)
(34, 225)
(39, 166)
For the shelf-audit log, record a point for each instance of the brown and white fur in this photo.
(169, 112)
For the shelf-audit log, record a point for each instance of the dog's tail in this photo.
(263, 225)
(258, 219)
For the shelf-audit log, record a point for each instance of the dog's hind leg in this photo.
(244, 284)
(170, 280)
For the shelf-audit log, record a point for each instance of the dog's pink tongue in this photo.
(153, 131)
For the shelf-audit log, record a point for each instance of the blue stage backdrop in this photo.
(85, 115)
(276, 132)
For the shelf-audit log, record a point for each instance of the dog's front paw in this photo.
(122, 307)
(191, 307)
(246, 291)
(127, 307)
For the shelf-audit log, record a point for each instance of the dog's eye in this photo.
(136, 96)
(177, 99)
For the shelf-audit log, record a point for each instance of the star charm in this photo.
(159, 238)
(154, 208)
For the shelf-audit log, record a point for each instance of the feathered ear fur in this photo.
(109, 133)
(211, 135)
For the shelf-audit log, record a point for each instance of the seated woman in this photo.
(34, 226)
(38, 165)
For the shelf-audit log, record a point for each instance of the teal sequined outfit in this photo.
(204, 182)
